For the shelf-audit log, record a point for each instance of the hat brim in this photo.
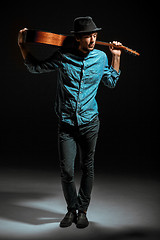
(92, 31)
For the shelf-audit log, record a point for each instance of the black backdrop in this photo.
(129, 134)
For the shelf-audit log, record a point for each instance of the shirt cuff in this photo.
(114, 72)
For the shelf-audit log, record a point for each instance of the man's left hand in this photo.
(115, 51)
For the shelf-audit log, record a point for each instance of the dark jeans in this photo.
(69, 138)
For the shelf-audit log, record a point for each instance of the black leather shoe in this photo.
(69, 218)
(82, 221)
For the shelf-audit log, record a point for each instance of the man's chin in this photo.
(90, 48)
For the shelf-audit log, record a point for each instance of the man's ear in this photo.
(77, 37)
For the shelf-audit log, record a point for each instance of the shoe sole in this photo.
(68, 225)
(81, 226)
(65, 226)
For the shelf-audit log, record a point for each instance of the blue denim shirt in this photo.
(78, 81)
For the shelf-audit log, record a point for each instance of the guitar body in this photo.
(33, 36)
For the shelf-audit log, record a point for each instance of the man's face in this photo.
(87, 42)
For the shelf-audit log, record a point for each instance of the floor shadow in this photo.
(10, 210)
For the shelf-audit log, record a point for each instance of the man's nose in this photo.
(92, 39)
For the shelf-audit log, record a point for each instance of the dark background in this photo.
(129, 134)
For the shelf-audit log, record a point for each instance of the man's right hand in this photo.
(21, 37)
(21, 42)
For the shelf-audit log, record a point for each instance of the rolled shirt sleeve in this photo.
(110, 76)
(49, 65)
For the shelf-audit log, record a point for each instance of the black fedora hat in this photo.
(84, 25)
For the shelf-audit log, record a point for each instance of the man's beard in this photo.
(89, 48)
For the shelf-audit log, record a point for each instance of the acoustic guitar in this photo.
(34, 36)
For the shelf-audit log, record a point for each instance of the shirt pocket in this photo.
(71, 72)
(93, 76)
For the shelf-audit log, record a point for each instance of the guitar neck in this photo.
(33, 36)
(121, 47)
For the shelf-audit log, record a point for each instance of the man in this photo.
(79, 74)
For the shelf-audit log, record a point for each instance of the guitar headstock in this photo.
(130, 51)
